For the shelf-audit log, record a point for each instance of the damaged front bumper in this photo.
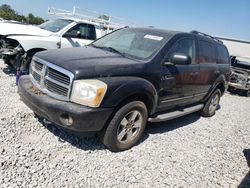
(10, 50)
(240, 79)
(67, 115)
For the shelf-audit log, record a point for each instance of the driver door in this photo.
(79, 35)
(178, 82)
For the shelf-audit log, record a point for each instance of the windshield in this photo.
(137, 43)
(55, 25)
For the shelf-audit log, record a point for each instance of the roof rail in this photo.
(104, 20)
(206, 35)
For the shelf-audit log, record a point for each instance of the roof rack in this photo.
(206, 35)
(103, 20)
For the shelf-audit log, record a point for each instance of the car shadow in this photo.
(245, 183)
(86, 143)
(236, 93)
(93, 143)
(167, 126)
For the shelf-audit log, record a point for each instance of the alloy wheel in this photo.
(129, 127)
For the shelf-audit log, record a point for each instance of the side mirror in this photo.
(76, 34)
(180, 59)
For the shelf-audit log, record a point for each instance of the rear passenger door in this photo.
(79, 35)
(209, 71)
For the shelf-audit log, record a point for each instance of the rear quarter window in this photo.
(223, 56)
(207, 52)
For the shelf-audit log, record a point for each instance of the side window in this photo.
(184, 46)
(90, 33)
(207, 52)
(223, 56)
(82, 31)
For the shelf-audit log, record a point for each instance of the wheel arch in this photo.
(29, 54)
(35, 50)
(145, 98)
(127, 89)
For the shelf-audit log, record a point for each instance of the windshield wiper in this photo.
(110, 49)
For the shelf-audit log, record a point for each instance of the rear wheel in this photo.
(212, 104)
(126, 127)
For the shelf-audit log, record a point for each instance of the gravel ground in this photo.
(187, 152)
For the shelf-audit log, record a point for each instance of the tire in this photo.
(7, 61)
(212, 104)
(26, 62)
(25, 65)
(126, 127)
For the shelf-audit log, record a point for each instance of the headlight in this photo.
(88, 92)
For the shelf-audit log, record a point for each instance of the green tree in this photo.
(6, 12)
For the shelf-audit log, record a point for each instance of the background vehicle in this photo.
(25, 40)
(19, 42)
(240, 76)
(126, 78)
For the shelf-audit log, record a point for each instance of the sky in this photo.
(225, 18)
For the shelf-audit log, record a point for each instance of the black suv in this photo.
(119, 82)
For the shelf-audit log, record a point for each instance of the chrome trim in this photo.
(200, 94)
(176, 99)
(187, 97)
(176, 114)
(41, 86)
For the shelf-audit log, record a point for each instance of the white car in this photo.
(19, 42)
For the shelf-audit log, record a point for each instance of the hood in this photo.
(20, 29)
(241, 64)
(89, 62)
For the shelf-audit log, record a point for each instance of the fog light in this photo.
(66, 119)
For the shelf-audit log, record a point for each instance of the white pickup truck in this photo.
(19, 42)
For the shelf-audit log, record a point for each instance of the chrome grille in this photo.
(38, 66)
(52, 87)
(58, 76)
(51, 79)
(36, 76)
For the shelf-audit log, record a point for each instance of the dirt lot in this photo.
(187, 152)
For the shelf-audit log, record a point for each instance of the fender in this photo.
(29, 42)
(122, 88)
(221, 80)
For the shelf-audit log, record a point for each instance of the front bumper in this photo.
(85, 119)
(240, 86)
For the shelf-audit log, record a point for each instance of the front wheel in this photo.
(212, 104)
(126, 127)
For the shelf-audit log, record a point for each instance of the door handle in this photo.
(194, 74)
(216, 72)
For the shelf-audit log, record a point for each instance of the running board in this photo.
(176, 114)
